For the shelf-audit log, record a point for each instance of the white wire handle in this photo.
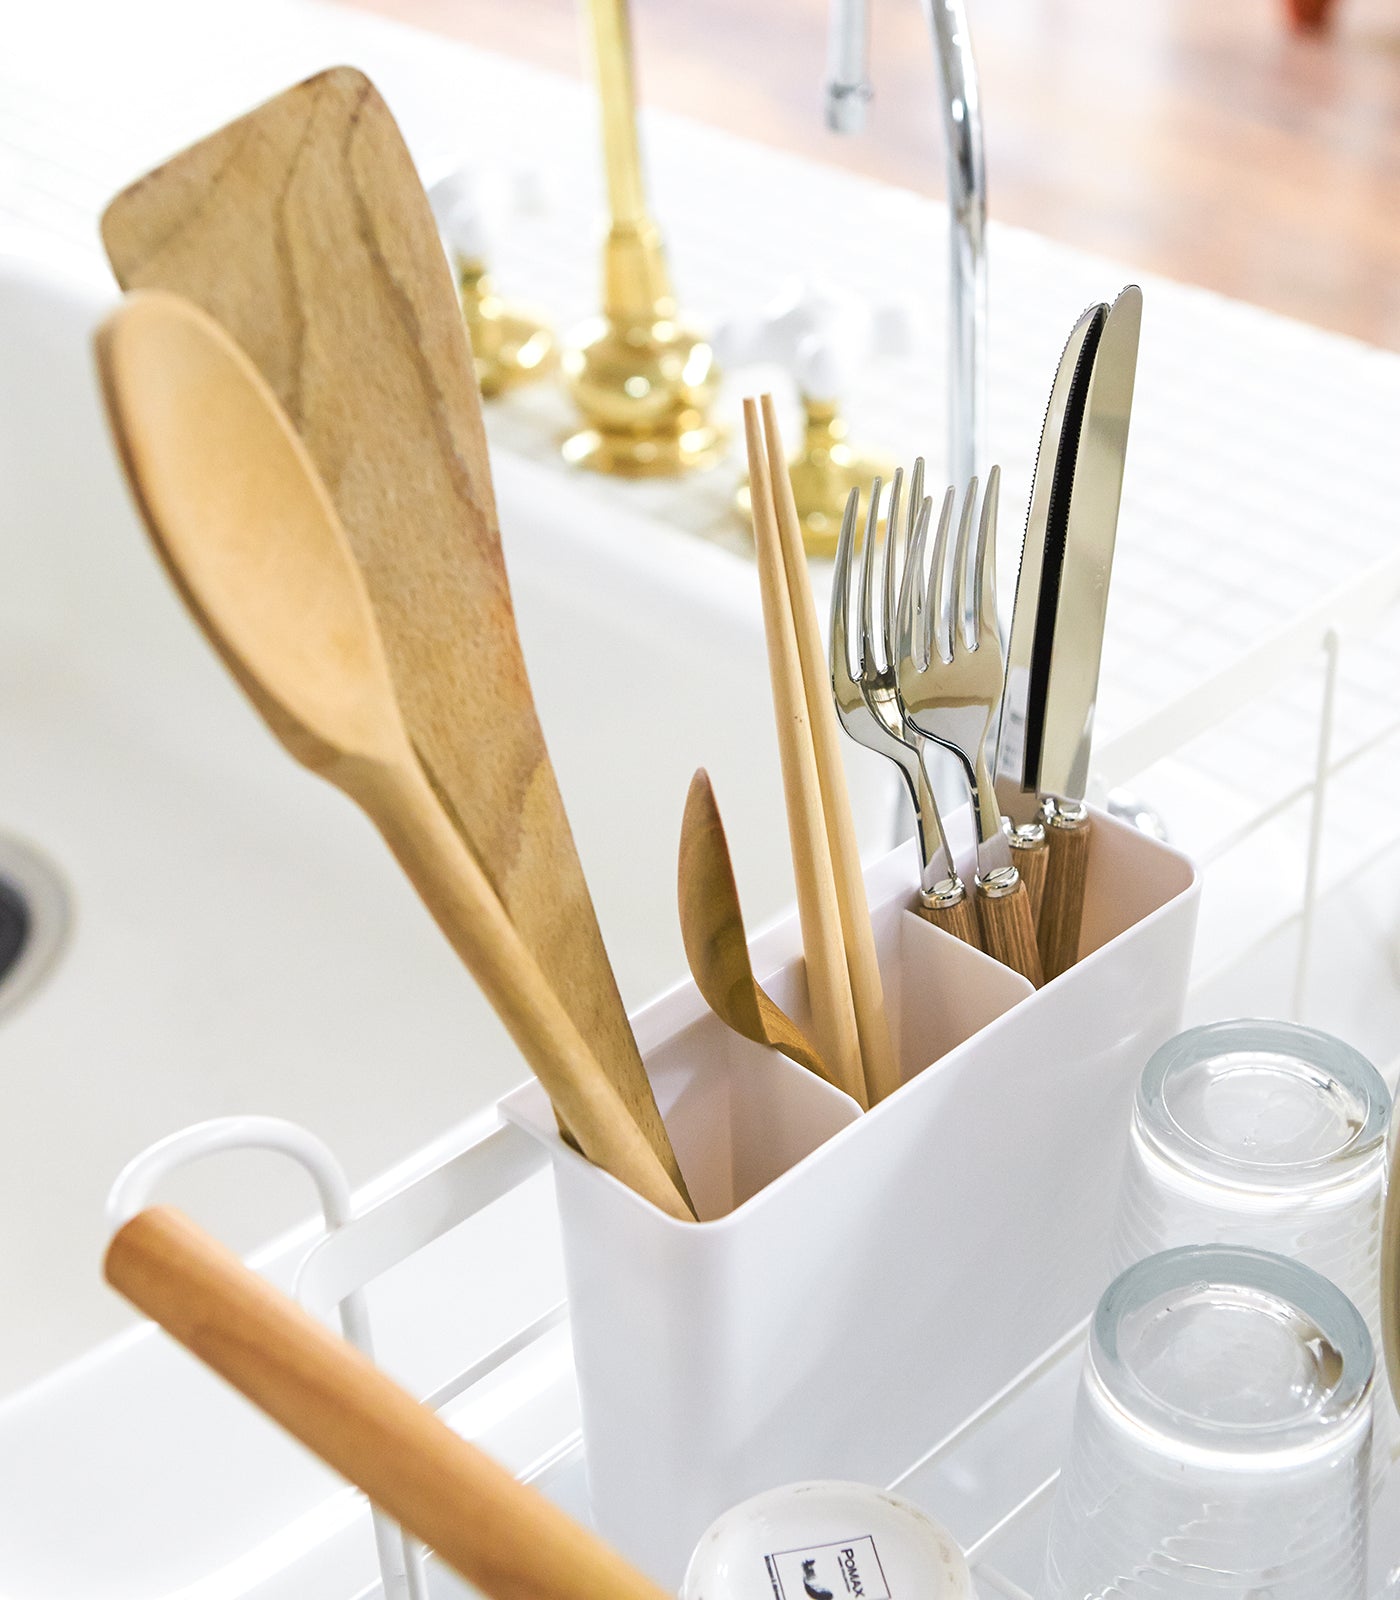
(401, 1564)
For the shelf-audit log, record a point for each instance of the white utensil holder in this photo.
(859, 1285)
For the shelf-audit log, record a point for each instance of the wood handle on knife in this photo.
(1067, 829)
(506, 1539)
(1008, 929)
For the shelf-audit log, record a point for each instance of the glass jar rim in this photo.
(1315, 1052)
(1292, 1288)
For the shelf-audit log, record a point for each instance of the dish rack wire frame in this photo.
(357, 1247)
(1349, 614)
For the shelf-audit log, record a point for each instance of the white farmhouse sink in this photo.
(241, 940)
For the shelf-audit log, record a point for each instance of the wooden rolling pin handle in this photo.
(508, 1540)
(1067, 829)
(1008, 930)
(947, 906)
(1030, 856)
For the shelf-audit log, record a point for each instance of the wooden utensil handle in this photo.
(466, 907)
(1008, 930)
(1030, 856)
(948, 906)
(1067, 831)
(506, 1539)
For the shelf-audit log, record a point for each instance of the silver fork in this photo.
(867, 701)
(950, 687)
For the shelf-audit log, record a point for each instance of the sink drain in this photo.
(34, 920)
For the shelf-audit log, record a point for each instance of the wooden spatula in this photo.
(304, 230)
(506, 1539)
(246, 530)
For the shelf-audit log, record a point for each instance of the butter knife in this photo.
(1056, 639)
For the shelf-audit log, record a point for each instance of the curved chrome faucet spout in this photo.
(847, 91)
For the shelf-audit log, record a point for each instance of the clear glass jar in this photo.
(1222, 1437)
(1264, 1134)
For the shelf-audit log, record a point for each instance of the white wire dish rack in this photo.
(962, 1240)
(990, 1478)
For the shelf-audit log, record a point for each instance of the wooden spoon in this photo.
(304, 230)
(504, 1538)
(712, 926)
(242, 522)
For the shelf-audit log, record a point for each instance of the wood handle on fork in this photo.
(1008, 929)
(1067, 831)
(508, 1540)
(1030, 857)
(948, 906)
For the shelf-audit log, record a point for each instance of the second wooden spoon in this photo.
(238, 514)
(712, 927)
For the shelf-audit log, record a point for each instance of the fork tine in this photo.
(916, 492)
(963, 600)
(865, 653)
(890, 565)
(839, 652)
(908, 632)
(939, 626)
(986, 579)
(899, 534)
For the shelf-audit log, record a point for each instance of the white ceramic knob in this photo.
(473, 206)
(819, 335)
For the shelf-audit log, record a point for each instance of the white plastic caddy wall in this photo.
(858, 1285)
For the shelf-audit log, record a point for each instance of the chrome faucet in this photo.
(847, 92)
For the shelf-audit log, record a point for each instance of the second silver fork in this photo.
(867, 698)
(949, 667)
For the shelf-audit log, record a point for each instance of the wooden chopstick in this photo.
(858, 937)
(818, 906)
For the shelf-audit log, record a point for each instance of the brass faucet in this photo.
(643, 381)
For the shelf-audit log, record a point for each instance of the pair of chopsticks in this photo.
(843, 976)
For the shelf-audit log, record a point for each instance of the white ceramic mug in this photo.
(827, 1541)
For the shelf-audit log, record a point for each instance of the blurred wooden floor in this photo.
(1195, 138)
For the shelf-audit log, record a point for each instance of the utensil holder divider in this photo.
(860, 1288)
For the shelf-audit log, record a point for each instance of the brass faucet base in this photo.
(824, 471)
(646, 389)
(643, 382)
(509, 346)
